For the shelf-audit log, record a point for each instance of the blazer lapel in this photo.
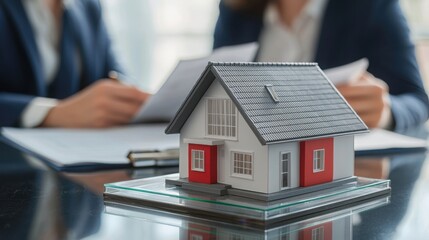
(25, 32)
(83, 40)
(66, 82)
(75, 45)
(330, 35)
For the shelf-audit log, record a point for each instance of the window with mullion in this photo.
(242, 164)
(198, 160)
(318, 233)
(319, 160)
(221, 118)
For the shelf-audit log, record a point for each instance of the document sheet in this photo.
(347, 73)
(382, 141)
(164, 104)
(67, 147)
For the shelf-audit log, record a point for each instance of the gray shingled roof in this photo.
(309, 106)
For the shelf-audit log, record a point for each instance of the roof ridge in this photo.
(263, 63)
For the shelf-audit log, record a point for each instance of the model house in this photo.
(265, 128)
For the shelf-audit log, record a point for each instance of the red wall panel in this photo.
(306, 234)
(204, 232)
(307, 176)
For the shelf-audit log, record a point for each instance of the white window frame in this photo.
(244, 168)
(196, 237)
(281, 169)
(224, 124)
(319, 158)
(318, 233)
(200, 159)
(285, 233)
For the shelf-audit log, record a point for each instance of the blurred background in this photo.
(170, 30)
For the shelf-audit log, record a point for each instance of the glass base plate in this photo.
(154, 193)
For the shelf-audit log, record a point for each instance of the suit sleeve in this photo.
(12, 106)
(392, 59)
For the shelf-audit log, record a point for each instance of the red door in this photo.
(202, 163)
(316, 161)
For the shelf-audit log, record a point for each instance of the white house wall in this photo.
(183, 157)
(344, 156)
(274, 151)
(342, 228)
(247, 142)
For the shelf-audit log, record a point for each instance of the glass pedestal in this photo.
(154, 193)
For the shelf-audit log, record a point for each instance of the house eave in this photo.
(178, 120)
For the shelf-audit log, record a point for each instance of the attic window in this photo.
(221, 118)
(272, 92)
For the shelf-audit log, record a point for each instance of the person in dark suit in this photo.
(55, 59)
(333, 33)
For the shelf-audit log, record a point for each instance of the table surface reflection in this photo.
(39, 203)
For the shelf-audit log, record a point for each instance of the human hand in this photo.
(372, 167)
(103, 104)
(369, 97)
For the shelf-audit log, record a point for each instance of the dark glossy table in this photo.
(39, 203)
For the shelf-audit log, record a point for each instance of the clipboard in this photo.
(148, 158)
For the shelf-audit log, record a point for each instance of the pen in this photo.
(118, 77)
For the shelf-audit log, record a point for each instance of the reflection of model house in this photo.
(338, 229)
(265, 127)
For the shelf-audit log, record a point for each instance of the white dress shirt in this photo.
(47, 34)
(280, 43)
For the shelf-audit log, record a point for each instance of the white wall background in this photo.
(417, 15)
(151, 36)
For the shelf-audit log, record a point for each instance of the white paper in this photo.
(164, 104)
(87, 146)
(379, 139)
(347, 73)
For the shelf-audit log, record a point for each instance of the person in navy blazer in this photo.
(84, 100)
(351, 30)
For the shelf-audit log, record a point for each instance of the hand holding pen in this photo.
(105, 103)
(119, 77)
